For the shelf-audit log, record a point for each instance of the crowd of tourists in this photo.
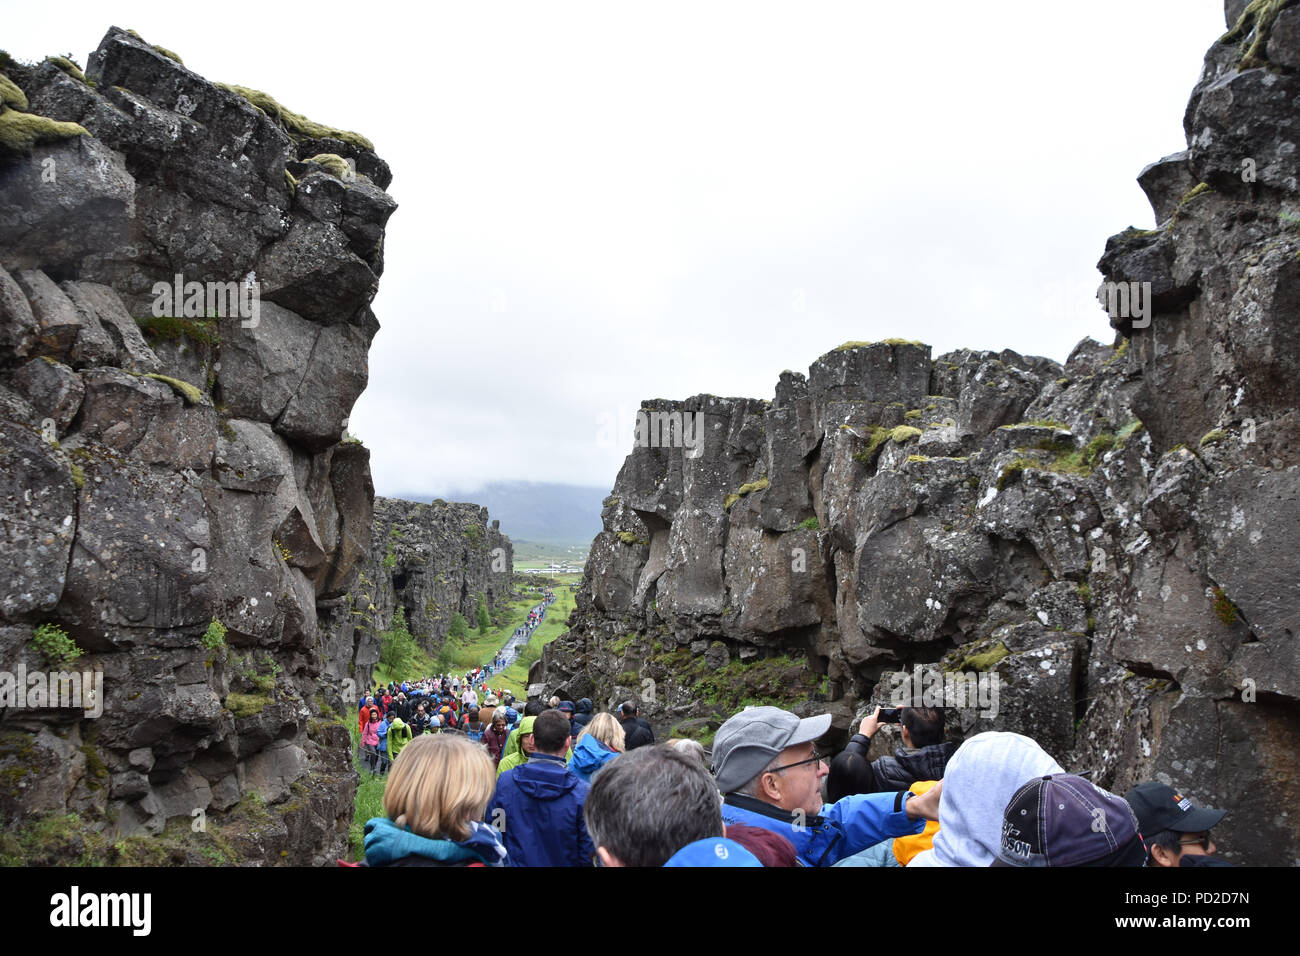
(534, 619)
(562, 784)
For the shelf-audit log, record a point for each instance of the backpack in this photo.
(473, 731)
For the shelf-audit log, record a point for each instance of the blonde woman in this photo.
(434, 802)
(600, 742)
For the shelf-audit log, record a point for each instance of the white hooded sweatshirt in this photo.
(978, 783)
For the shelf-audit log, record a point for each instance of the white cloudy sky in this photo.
(606, 202)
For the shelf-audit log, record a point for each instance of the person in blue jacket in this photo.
(538, 804)
(770, 775)
(599, 743)
(382, 730)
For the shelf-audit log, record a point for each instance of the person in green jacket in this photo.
(518, 747)
(399, 735)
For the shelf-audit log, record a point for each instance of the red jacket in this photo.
(495, 741)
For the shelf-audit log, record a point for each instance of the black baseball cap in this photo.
(1160, 808)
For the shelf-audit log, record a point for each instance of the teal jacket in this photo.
(388, 844)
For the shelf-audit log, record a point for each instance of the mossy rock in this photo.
(165, 327)
(1257, 17)
(296, 125)
(986, 659)
(52, 840)
(1128, 431)
(1213, 437)
(96, 771)
(67, 66)
(1224, 609)
(19, 132)
(167, 53)
(11, 94)
(246, 705)
(904, 433)
(627, 537)
(189, 392)
(332, 163)
(891, 341)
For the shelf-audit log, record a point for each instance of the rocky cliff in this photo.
(431, 560)
(184, 309)
(1114, 537)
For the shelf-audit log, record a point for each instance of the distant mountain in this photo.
(541, 512)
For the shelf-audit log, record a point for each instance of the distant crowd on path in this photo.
(564, 785)
(535, 618)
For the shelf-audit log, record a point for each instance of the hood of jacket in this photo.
(585, 706)
(386, 843)
(589, 755)
(512, 744)
(544, 777)
(980, 779)
(926, 763)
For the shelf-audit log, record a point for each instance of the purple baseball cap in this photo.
(1064, 820)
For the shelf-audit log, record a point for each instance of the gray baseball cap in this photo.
(746, 743)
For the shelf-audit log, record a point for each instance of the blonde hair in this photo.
(438, 784)
(607, 730)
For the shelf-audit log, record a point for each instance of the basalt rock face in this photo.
(432, 560)
(168, 463)
(1113, 538)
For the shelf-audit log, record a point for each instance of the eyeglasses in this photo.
(1202, 841)
(815, 758)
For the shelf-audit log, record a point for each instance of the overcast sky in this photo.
(603, 203)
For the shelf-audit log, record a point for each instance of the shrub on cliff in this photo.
(397, 649)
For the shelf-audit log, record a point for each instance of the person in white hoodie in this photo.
(978, 783)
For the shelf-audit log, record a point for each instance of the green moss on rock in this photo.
(19, 132)
(11, 94)
(1224, 609)
(332, 163)
(296, 125)
(189, 392)
(1213, 437)
(165, 327)
(985, 660)
(246, 705)
(1257, 17)
(67, 66)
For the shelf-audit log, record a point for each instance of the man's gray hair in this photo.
(647, 804)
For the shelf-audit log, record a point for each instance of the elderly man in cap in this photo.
(1176, 831)
(770, 775)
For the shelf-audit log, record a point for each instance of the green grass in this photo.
(369, 801)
